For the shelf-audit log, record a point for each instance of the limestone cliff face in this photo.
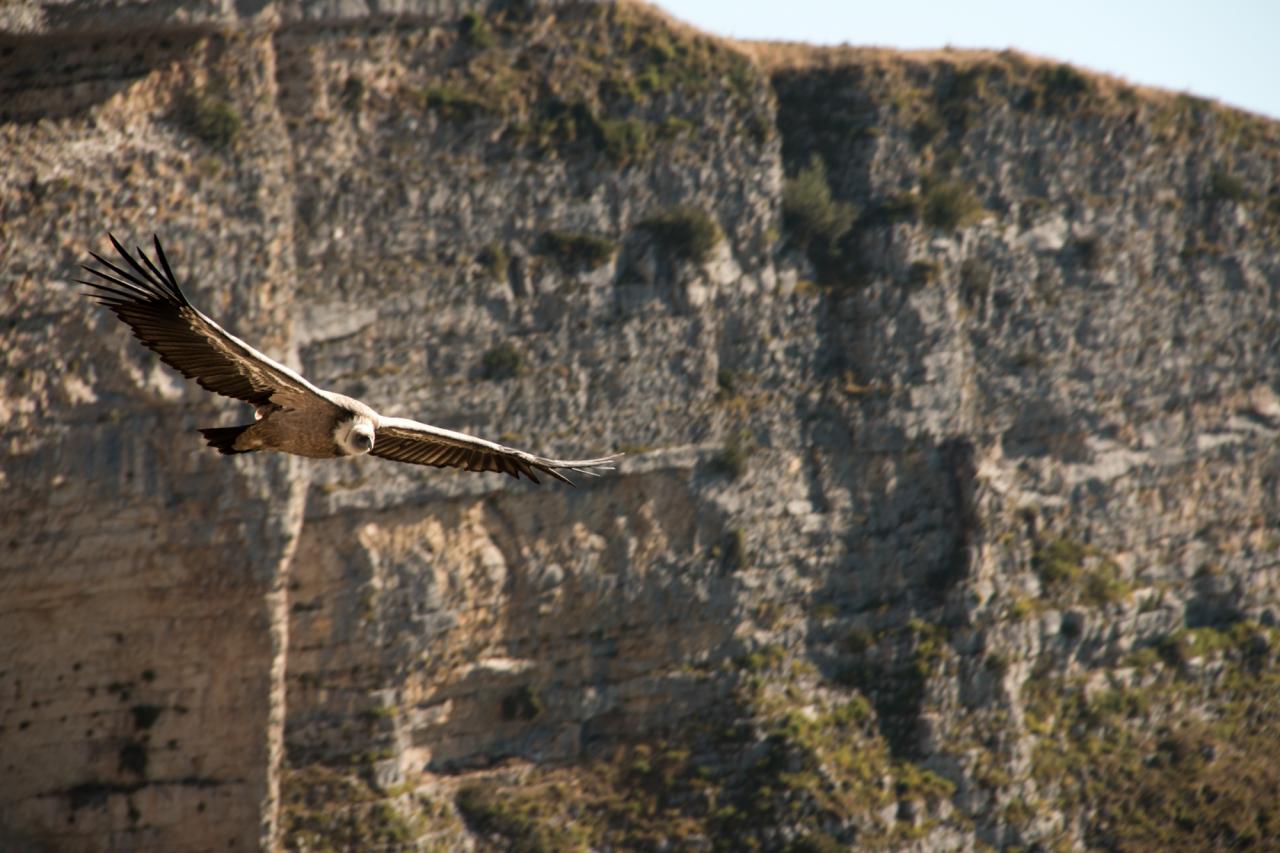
(948, 384)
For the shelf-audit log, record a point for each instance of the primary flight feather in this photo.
(293, 416)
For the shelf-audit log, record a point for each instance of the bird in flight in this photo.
(292, 415)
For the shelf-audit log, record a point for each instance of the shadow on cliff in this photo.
(884, 616)
(526, 623)
(65, 75)
(897, 595)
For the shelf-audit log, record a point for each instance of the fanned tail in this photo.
(223, 439)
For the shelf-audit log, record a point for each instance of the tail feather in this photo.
(224, 438)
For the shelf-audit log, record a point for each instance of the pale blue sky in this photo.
(1225, 49)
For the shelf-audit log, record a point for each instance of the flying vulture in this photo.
(292, 415)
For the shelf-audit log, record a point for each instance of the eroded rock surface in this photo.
(948, 384)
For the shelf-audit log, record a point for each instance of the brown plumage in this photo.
(293, 416)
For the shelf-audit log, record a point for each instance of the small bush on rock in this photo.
(685, 231)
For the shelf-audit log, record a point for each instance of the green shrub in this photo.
(1224, 186)
(452, 102)
(976, 275)
(1061, 562)
(352, 94)
(735, 550)
(949, 204)
(625, 140)
(493, 257)
(816, 842)
(1056, 89)
(501, 362)
(899, 207)
(685, 231)
(770, 657)
(1103, 585)
(386, 824)
(924, 272)
(919, 783)
(816, 223)
(1020, 608)
(673, 127)
(1273, 202)
(825, 612)
(569, 125)
(857, 641)
(1058, 562)
(378, 713)
(961, 98)
(523, 703)
(926, 129)
(574, 251)
(760, 128)
(732, 459)
(475, 31)
(561, 124)
(1062, 81)
(212, 120)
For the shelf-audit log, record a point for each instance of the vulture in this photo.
(291, 414)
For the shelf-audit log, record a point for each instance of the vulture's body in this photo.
(292, 415)
(314, 431)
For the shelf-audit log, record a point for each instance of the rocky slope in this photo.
(948, 384)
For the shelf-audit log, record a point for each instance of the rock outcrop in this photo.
(948, 384)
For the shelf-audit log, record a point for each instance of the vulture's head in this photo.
(355, 437)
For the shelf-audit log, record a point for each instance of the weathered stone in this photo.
(1000, 453)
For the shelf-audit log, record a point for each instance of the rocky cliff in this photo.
(948, 384)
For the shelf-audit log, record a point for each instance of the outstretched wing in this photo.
(148, 299)
(403, 440)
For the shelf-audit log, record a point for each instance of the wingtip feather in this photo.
(119, 247)
(144, 279)
(164, 262)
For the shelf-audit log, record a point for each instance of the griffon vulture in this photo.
(292, 415)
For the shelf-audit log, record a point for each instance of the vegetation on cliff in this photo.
(615, 82)
(835, 742)
(948, 384)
